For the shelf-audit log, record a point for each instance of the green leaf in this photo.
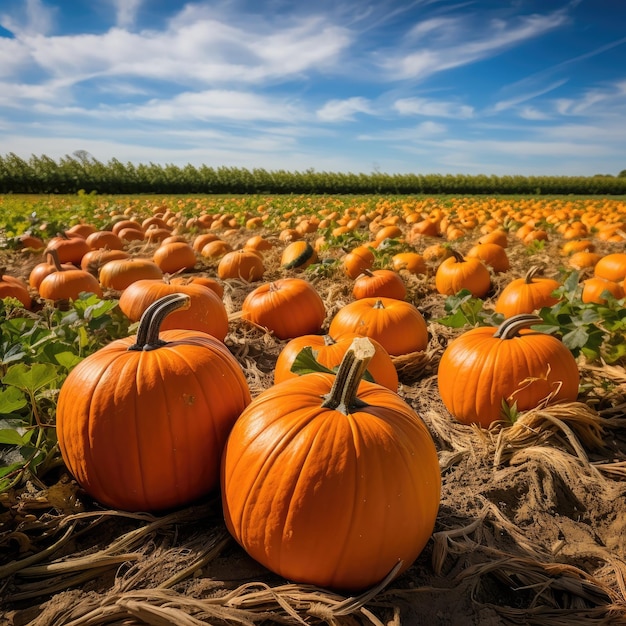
(11, 400)
(11, 437)
(577, 338)
(67, 360)
(306, 363)
(31, 377)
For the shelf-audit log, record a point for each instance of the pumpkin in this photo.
(411, 262)
(206, 311)
(594, 288)
(298, 255)
(13, 287)
(242, 264)
(396, 324)
(379, 284)
(329, 352)
(130, 234)
(68, 285)
(486, 367)
(70, 248)
(329, 480)
(206, 281)
(612, 267)
(457, 273)
(93, 260)
(498, 237)
(174, 257)
(583, 260)
(358, 260)
(82, 230)
(287, 307)
(118, 274)
(491, 254)
(528, 294)
(215, 249)
(142, 422)
(104, 239)
(50, 265)
(201, 240)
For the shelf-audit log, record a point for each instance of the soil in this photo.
(531, 527)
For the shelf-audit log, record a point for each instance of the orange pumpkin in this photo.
(50, 265)
(68, 285)
(174, 257)
(329, 352)
(331, 481)
(612, 267)
(13, 287)
(411, 262)
(142, 422)
(379, 284)
(206, 281)
(594, 288)
(104, 239)
(118, 274)
(70, 248)
(396, 324)
(484, 367)
(457, 273)
(491, 254)
(528, 294)
(287, 307)
(358, 260)
(242, 264)
(206, 311)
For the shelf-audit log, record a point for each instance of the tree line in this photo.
(81, 172)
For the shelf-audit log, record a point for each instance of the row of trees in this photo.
(43, 175)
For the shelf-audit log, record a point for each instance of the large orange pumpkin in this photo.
(14, 287)
(288, 307)
(331, 481)
(206, 311)
(396, 324)
(379, 283)
(142, 422)
(486, 367)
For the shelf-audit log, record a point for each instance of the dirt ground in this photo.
(531, 527)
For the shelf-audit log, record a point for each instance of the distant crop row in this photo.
(44, 175)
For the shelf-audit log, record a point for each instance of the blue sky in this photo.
(426, 86)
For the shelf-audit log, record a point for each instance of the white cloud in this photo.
(433, 108)
(503, 105)
(35, 18)
(445, 52)
(533, 114)
(343, 110)
(126, 12)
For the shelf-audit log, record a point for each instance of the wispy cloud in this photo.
(440, 46)
(126, 12)
(344, 110)
(32, 18)
(433, 108)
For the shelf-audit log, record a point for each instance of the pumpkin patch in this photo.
(225, 467)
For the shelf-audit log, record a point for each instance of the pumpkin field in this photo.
(312, 409)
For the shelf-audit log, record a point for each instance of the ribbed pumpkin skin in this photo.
(144, 430)
(325, 498)
(379, 283)
(289, 307)
(298, 255)
(397, 325)
(453, 275)
(330, 352)
(520, 296)
(67, 285)
(477, 371)
(206, 313)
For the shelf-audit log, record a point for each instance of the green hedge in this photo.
(43, 175)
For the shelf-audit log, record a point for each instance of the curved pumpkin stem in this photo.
(53, 255)
(152, 318)
(342, 396)
(531, 273)
(510, 328)
(458, 257)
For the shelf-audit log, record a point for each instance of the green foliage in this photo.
(598, 331)
(37, 351)
(82, 173)
(463, 309)
(306, 363)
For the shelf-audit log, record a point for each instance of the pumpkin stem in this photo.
(53, 255)
(342, 396)
(510, 327)
(329, 341)
(378, 304)
(152, 318)
(458, 257)
(531, 273)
